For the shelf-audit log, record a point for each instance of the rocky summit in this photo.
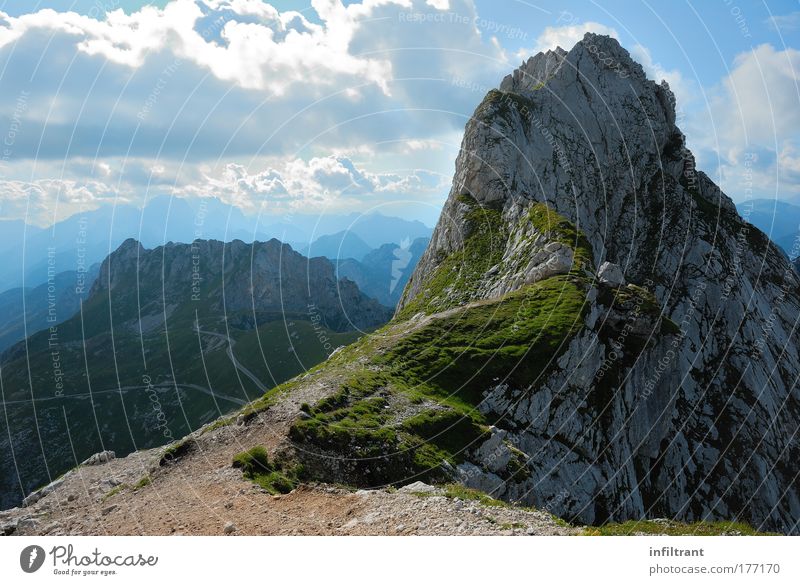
(592, 331)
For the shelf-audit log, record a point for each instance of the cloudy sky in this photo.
(287, 106)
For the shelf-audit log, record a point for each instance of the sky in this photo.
(290, 107)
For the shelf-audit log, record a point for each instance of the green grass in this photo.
(115, 490)
(560, 229)
(257, 467)
(449, 362)
(454, 359)
(458, 491)
(350, 421)
(144, 482)
(672, 528)
(356, 423)
(177, 450)
(458, 275)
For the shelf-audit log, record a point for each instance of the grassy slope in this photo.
(113, 407)
(444, 363)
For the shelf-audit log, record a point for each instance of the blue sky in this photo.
(296, 107)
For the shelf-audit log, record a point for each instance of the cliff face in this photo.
(676, 393)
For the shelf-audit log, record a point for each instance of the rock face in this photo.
(677, 397)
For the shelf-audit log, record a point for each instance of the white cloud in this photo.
(752, 127)
(299, 185)
(303, 186)
(45, 201)
(565, 37)
(271, 54)
(785, 23)
(221, 78)
(762, 95)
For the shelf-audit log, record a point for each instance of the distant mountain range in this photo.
(87, 238)
(24, 311)
(780, 220)
(339, 245)
(383, 273)
(168, 339)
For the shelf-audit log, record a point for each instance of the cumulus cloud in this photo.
(287, 185)
(202, 79)
(270, 53)
(753, 124)
(762, 95)
(45, 201)
(302, 185)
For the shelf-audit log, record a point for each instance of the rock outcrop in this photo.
(677, 395)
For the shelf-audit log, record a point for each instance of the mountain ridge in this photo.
(168, 339)
(593, 331)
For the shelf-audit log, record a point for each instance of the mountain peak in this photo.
(576, 163)
(130, 245)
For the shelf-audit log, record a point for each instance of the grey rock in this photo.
(229, 528)
(610, 273)
(42, 492)
(419, 487)
(100, 458)
(31, 499)
(282, 280)
(7, 528)
(27, 523)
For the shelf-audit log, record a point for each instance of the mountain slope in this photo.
(675, 395)
(592, 330)
(34, 309)
(168, 339)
